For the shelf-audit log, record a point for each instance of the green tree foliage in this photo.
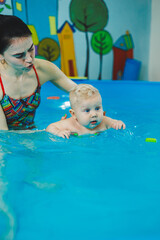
(101, 43)
(49, 49)
(4, 4)
(88, 16)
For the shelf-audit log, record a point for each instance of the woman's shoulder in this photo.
(46, 70)
(41, 64)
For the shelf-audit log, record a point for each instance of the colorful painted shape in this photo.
(49, 49)
(68, 59)
(19, 6)
(52, 23)
(4, 6)
(125, 42)
(101, 43)
(34, 34)
(122, 49)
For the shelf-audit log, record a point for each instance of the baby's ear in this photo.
(72, 113)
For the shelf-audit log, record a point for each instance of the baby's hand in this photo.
(64, 117)
(64, 133)
(118, 124)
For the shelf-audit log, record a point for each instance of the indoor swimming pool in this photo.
(103, 187)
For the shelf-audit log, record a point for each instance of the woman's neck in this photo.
(6, 70)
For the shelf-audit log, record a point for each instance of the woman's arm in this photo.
(48, 71)
(3, 122)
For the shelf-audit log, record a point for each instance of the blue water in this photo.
(103, 187)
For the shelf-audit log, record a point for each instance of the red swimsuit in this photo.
(20, 113)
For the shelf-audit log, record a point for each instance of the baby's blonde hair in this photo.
(80, 92)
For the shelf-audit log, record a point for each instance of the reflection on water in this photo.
(21, 157)
(48, 183)
(7, 219)
(12, 144)
(93, 187)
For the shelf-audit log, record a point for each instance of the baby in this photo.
(87, 116)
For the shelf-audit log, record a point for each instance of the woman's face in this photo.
(20, 54)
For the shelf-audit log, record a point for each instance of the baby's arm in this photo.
(113, 123)
(60, 128)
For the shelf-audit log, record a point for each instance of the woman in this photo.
(21, 75)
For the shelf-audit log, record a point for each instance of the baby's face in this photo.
(89, 112)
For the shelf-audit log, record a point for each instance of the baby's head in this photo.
(82, 92)
(86, 105)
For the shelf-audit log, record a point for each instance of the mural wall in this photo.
(90, 38)
(154, 69)
(42, 19)
(124, 16)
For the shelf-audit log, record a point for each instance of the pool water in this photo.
(103, 187)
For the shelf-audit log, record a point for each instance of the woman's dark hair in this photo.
(11, 27)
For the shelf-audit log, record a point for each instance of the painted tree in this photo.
(4, 4)
(101, 43)
(49, 49)
(88, 16)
